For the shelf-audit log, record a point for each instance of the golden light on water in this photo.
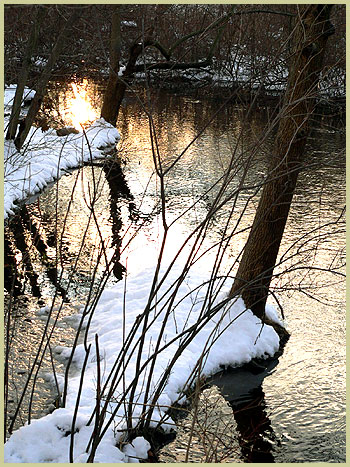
(79, 110)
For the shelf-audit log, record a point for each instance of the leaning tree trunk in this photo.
(109, 111)
(23, 75)
(260, 253)
(117, 85)
(44, 78)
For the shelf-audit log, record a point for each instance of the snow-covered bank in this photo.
(45, 156)
(9, 96)
(258, 73)
(233, 337)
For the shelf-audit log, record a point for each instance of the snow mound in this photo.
(231, 338)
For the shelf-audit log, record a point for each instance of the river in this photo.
(303, 397)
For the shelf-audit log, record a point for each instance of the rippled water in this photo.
(304, 396)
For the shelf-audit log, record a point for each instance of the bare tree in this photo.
(117, 85)
(311, 32)
(43, 80)
(23, 76)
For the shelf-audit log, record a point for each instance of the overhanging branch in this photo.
(172, 66)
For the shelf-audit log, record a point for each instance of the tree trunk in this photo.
(44, 79)
(116, 86)
(109, 108)
(260, 253)
(23, 76)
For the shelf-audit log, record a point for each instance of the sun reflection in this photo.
(79, 110)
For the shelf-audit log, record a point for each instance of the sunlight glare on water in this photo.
(79, 110)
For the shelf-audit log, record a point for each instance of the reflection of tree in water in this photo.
(242, 388)
(254, 428)
(118, 190)
(12, 281)
(23, 235)
(29, 241)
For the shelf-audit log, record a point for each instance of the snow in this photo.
(129, 23)
(234, 337)
(121, 70)
(231, 337)
(242, 68)
(270, 313)
(47, 156)
(9, 96)
(39, 62)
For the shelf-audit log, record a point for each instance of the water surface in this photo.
(304, 396)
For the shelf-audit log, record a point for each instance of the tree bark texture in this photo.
(255, 271)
